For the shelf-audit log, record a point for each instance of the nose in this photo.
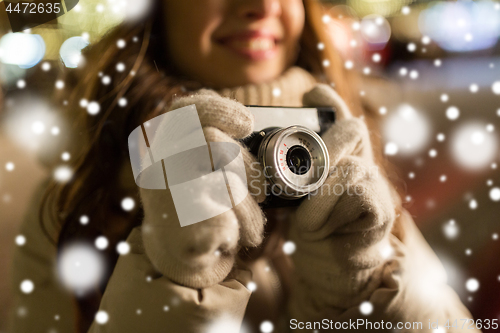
(258, 9)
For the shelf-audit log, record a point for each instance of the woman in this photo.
(354, 253)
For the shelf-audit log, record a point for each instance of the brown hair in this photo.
(96, 188)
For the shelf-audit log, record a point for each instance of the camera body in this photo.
(288, 144)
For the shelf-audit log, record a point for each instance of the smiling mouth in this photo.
(252, 47)
(252, 44)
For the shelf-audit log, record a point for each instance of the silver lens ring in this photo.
(295, 160)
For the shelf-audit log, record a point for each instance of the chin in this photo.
(262, 76)
(255, 74)
(263, 71)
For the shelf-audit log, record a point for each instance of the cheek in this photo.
(206, 31)
(189, 31)
(293, 19)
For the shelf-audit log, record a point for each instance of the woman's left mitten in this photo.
(340, 231)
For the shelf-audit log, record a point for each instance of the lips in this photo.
(254, 45)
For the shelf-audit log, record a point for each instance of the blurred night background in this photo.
(431, 69)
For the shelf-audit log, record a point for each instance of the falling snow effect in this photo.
(101, 317)
(408, 133)
(84, 219)
(391, 148)
(252, 286)
(452, 113)
(106, 80)
(59, 84)
(123, 248)
(122, 102)
(128, 204)
(473, 147)
(289, 247)
(27, 286)
(366, 308)
(495, 87)
(224, 324)
(101, 243)
(472, 285)
(120, 67)
(451, 229)
(495, 194)
(63, 174)
(9, 166)
(407, 128)
(121, 43)
(80, 267)
(20, 240)
(93, 108)
(65, 156)
(266, 327)
(473, 204)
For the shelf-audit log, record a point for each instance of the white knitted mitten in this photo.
(203, 254)
(340, 232)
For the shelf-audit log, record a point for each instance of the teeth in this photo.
(254, 44)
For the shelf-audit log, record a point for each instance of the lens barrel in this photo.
(295, 161)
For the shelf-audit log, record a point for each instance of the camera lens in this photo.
(287, 155)
(298, 160)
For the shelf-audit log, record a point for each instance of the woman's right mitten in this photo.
(202, 254)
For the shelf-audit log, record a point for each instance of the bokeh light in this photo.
(28, 120)
(101, 242)
(472, 146)
(472, 285)
(375, 30)
(128, 204)
(63, 173)
(123, 248)
(461, 25)
(135, 10)
(101, 317)
(266, 326)
(80, 267)
(408, 129)
(27, 286)
(289, 247)
(252, 286)
(451, 229)
(71, 51)
(366, 308)
(224, 324)
(21, 49)
(20, 240)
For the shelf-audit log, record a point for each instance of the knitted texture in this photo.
(287, 90)
(202, 254)
(341, 232)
